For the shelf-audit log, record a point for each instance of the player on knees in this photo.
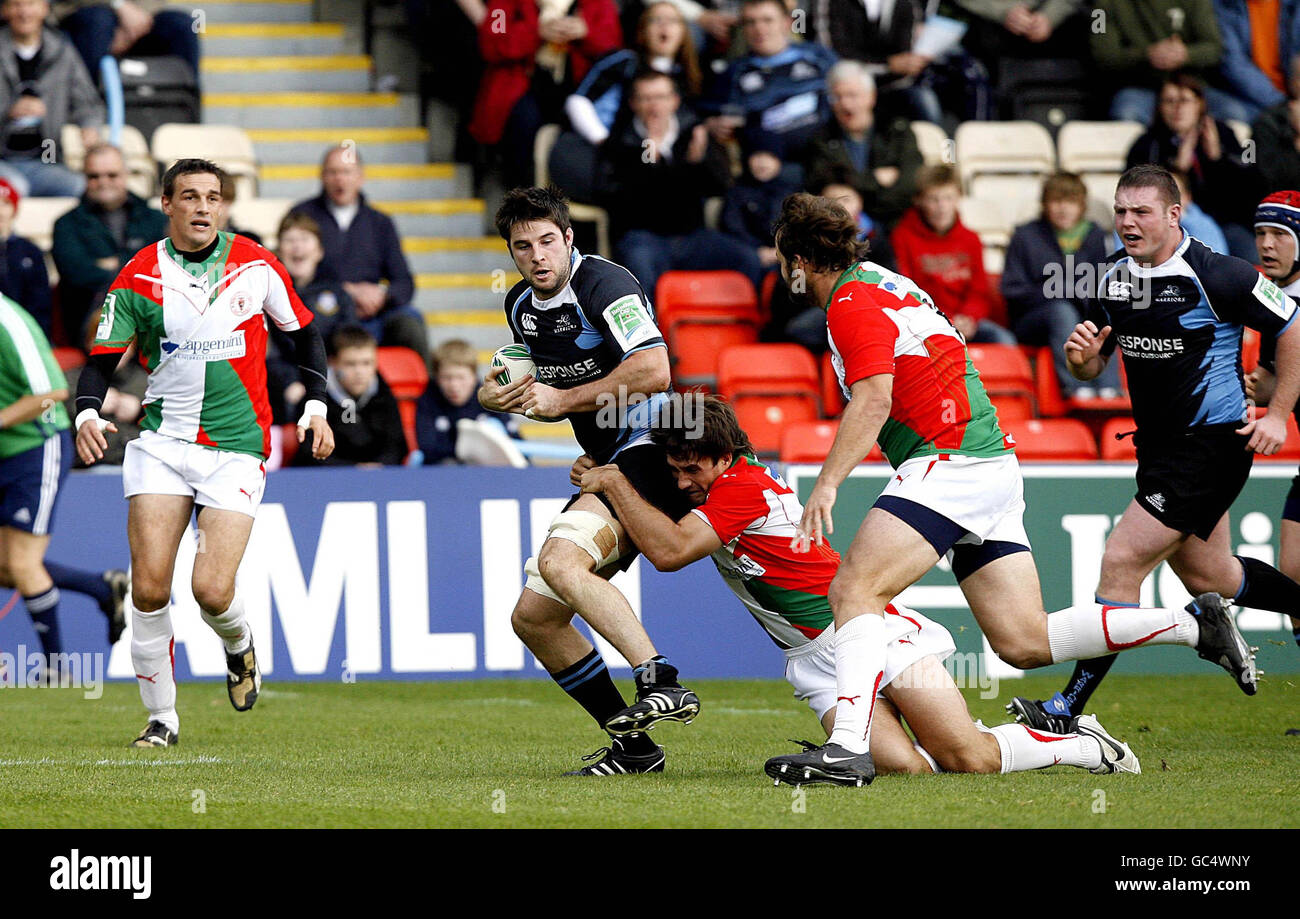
(602, 364)
(195, 304)
(744, 518)
(1277, 229)
(1175, 311)
(35, 457)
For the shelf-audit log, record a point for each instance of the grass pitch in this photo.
(489, 754)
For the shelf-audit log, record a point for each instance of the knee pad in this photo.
(590, 532)
(536, 583)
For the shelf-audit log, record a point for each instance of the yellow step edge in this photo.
(375, 171)
(414, 245)
(272, 30)
(466, 317)
(336, 135)
(539, 430)
(441, 207)
(444, 280)
(278, 64)
(300, 100)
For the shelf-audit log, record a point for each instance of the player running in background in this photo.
(196, 305)
(1175, 310)
(35, 456)
(1277, 237)
(593, 338)
(745, 518)
(957, 489)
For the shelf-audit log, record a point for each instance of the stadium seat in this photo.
(69, 358)
(988, 219)
(700, 313)
(810, 441)
(547, 134)
(995, 158)
(1101, 199)
(36, 216)
(1053, 439)
(1114, 447)
(832, 395)
(1249, 350)
(1096, 146)
(406, 375)
(236, 155)
(288, 443)
(1013, 407)
(1003, 369)
(935, 146)
(142, 171)
(770, 386)
(1290, 451)
(261, 216)
(770, 280)
(1047, 388)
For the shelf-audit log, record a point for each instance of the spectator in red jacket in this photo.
(946, 259)
(534, 54)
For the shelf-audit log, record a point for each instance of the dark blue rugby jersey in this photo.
(583, 333)
(784, 94)
(1178, 326)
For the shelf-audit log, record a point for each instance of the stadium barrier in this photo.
(411, 574)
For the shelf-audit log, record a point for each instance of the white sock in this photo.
(859, 667)
(231, 626)
(1095, 630)
(151, 653)
(1024, 749)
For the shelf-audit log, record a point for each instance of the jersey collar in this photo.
(558, 298)
(1142, 270)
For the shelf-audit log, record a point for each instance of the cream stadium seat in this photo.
(547, 135)
(1096, 146)
(142, 173)
(1004, 159)
(934, 143)
(261, 215)
(226, 145)
(36, 216)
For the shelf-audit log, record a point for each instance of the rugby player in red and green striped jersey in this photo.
(195, 307)
(744, 518)
(956, 492)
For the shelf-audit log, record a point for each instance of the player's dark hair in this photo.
(820, 230)
(1149, 175)
(777, 3)
(528, 205)
(645, 74)
(190, 167)
(351, 336)
(709, 434)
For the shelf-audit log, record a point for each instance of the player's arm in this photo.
(1268, 433)
(286, 310)
(30, 407)
(92, 387)
(1083, 350)
(860, 425)
(668, 545)
(644, 372)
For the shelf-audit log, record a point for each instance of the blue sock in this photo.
(79, 580)
(44, 610)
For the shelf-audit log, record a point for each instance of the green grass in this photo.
(489, 754)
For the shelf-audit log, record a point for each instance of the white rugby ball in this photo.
(512, 363)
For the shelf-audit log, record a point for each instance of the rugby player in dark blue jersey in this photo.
(1175, 310)
(592, 335)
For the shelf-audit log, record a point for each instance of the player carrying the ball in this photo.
(195, 306)
(592, 335)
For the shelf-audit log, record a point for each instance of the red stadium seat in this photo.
(1004, 370)
(1047, 388)
(770, 387)
(832, 395)
(1013, 407)
(770, 280)
(1115, 448)
(700, 313)
(407, 376)
(69, 358)
(1054, 439)
(1290, 451)
(810, 441)
(1249, 350)
(288, 443)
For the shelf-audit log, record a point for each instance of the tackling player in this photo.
(1175, 310)
(196, 305)
(957, 490)
(597, 349)
(1277, 237)
(35, 457)
(745, 518)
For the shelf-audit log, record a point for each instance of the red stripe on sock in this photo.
(871, 711)
(1121, 645)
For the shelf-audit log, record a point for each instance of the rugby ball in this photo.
(512, 363)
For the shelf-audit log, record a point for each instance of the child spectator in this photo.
(23, 277)
(451, 397)
(946, 259)
(361, 409)
(1045, 301)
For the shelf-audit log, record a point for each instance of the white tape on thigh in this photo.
(536, 583)
(589, 532)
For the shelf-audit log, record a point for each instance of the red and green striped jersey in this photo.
(200, 331)
(879, 321)
(755, 514)
(27, 368)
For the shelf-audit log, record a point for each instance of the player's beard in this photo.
(561, 278)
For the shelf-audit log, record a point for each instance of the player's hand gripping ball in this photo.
(512, 363)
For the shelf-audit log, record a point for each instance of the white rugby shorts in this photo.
(985, 495)
(910, 636)
(156, 464)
